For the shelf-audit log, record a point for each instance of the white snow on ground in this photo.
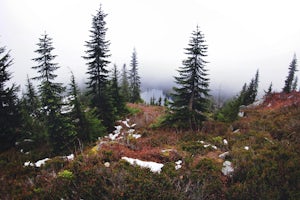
(116, 133)
(214, 147)
(113, 136)
(178, 164)
(153, 166)
(39, 163)
(209, 145)
(227, 168)
(69, 157)
(241, 114)
(126, 123)
(118, 129)
(223, 155)
(225, 142)
(206, 144)
(136, 136)
(28, 163)
(130, 131)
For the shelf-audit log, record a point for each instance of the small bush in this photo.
(66, 174)
(193, 147)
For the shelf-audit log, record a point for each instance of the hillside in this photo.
(256, 157)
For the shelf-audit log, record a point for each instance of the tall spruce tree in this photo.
(124, 90)
(249, 95)
(88, 127)
(135, 82)
(59, 128)
(97, 54)
(32, 125)
(295, 84)
(31, 99)
(9, 108)
(190, 97)
(290, 78)
(118, 100)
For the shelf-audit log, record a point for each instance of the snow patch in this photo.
(227, 168)
(39, 163)
(241, 114)
(214, 147)
(69, 157)
(126, 123)
(153, 166)
(28, 163)
(136, 136)
(223, 155)
(225, 142)
(236, 131)
(178, 164)
(130, 131)
(118, 129)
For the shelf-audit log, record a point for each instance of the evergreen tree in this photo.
(118, 100)
(290, 78)
(31, 99)
(97, 55)
(32, 126)
(159, 101)
(124, 84)
(249, 95)
(191, 95)
(270, 89)
(60, 130)
(134, 78)
(295, 84)
(9, 108)
(88, 127)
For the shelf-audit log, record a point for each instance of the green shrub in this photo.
(193, 147)
(66, 174)
(133, 111)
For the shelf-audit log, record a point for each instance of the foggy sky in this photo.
(242, 36)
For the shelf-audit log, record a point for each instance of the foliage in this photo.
(66, 174)
(97, 54)
(134, 78)
(118, 100)
(249, 94)
(191, 95)
(124, 90)
(288, 83)
(59, 127)
(9, 108)
(229, 111)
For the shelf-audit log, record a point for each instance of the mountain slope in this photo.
(256, 157)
